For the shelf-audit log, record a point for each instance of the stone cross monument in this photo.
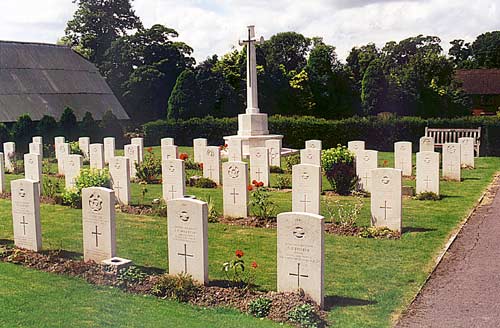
(252, 126)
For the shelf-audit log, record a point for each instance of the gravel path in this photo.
(464, 291)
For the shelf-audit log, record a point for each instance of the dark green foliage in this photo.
(47, 127)
(67, 123)
(180, 287)
(374, 89)
(338, 165)
(130, 275)
(149, 170)
(428, 195)
(110, 126)
(22, 131)
(290, 161)
(88, 126)
(305, 316)
(183, 101)
(260, 307)
(4, 133)
(486, 50)
(205, 183)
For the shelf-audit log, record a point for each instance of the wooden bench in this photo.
(442, 136)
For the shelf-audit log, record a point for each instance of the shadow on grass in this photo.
(230, 284)
(6, 242)
(417, 229)
(463, 179)
(450, 196)
(340, 301)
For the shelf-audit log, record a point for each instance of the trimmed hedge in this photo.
(379, 133)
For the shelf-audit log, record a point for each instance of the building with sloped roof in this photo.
(483, 87)
(44, 79)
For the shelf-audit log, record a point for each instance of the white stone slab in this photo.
(167, 142)
(99, 231)
(36, 148)
(57, 141)
(173, 178)
(451, 161)
(140, 143)
(403, 157)
(356, 146)
(366, 160)
(132, 153)
(169, 152)
(37, 139)
(259, 165)
(235, 192)
(386, 198)
(73, 164)
(84, 145)
(314, 144)
(427, 172)
(211, 163)
(33, 168)
(234, 150)
(63, 150)
(109, 149)
(426, 144)
(119, 171)
(466, 152)
(274, 146)
(9, 151)
(310, 156)
(199, 146)
(301, 254)
(97, 156)
(26, 214)
(2, 174)
(306, 188)
(188, 238)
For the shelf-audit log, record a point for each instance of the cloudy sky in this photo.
(215, 26)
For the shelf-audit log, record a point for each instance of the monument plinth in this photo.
(252, 126)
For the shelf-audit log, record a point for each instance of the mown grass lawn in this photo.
(367, 282)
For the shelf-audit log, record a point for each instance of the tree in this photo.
(288, 49)
(97, 23)
(23, 130)
(374, 88)
(47, 127)
(4, 133)
(88, 125)
(183, 102)
(67, 123)
(460, 53)
(486, 50)
(358, 61)
(143, 68)
(110, 125)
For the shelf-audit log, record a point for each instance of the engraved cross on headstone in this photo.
(210, 170)
(366, 177)
(385, 207)
(298, 275)
(117, 187)
(427, 180)
(24, 223)
(172, 191)
(258, 172)
(305, 201)
(97, 234)
(234, 194)
(186, 255)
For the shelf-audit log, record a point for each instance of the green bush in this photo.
(180, 287)
(74, 148)
(130, 275)
(290, 161)
(338, 165)
(305, 316)
(260, 307)
(276, 169)
(283, 181)
(149, 170)
(87, 178)
(428, 195)
(205, 183)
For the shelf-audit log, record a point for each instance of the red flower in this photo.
(239, 253)
(183, 156)
(261, 184)
(254, 182)
(201, 165)
(225, 145)
(150, 149)
(249, 188)
(254, 265)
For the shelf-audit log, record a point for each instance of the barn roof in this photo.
(480, 81)
(43, 79)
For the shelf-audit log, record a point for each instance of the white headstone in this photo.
(274, 147)
(173, 179)
(306, 188)
(310, 156)
(356, 146)
(199, 146)
(366, 160)
(26, 214)
(36, 148)
(315, 144)
(403, 157)
(386, 198)
(63, 150)
(167, 142)
(188, 238)
(235, 192)
(140, 143)
(99, 231)
(119, 172)
(2, 174)
(72, 166)
(9, 151)
(427, 172)
(426, 144)
(466, 151)
(259, 165)
(57, 141)
(97, 156)
(33, 167)
(169, 152)
(234, 150)
(109, 148)
(451, 161)
(132, 153)
(84, 145)
(37, 139)
(301, 254)
(211, 163)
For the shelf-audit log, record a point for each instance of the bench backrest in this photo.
(442, 136)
